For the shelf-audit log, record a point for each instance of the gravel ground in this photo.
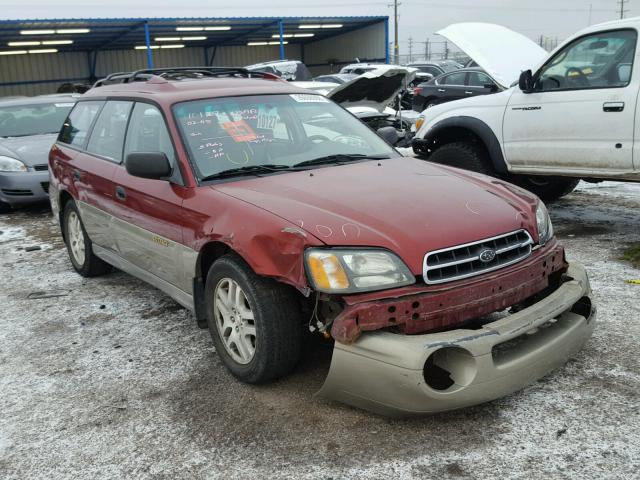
(112, 379)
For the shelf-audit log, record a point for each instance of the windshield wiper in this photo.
(248, 170)
(339, 159)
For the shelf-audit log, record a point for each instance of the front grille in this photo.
(17, 193)
(41, 168)
(45, 187)
(464, 261)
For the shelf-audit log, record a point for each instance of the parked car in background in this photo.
(463, 83)
(435, 68)
(360, 68)
(290, 70)
(28, 128)
(337, 78)
(572, 117)
(258, 206)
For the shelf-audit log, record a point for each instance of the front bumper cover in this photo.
(396, 375)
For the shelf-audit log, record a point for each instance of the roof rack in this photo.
(181, 73)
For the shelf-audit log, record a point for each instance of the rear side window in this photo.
(148, 132)
(453, 79)
(76, 128)
(107, 136)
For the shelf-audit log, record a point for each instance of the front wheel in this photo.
(254, 321)
(547, 188)
(466, 155)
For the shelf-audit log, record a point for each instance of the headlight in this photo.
(545, 228)
(352, 271)
(8, 164)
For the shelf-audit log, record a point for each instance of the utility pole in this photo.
(622, 9)
(410, 49)
(396, 47)
(446, 50)
(426, 49)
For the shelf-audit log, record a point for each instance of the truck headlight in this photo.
(8, 164)
(352, 271)
(545, 228)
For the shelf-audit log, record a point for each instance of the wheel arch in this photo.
(455, 129)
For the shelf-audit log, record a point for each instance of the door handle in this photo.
(441, 90)
(121, 193)
(613, 106)
(468, 92)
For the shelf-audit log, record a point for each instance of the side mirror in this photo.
(388, 134)
(153, 165)
(526, 81)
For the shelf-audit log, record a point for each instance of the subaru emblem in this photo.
(487, 255)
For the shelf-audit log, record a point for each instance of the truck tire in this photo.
(254, 321)
(547, 188)
(79, 245)
(464, 155)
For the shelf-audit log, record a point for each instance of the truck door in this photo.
(579, 116)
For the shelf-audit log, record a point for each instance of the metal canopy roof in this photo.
(127, 33)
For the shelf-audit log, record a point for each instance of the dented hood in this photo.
(501, 52)
(375, 89)
(406, 205)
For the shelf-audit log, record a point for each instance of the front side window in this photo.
(284, 130)
(453, 79)
(148, 132)
(479, 79)
(601, 60)
(76, 128)
(27, 120)
(107, 137)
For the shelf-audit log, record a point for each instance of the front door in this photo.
(579, 118)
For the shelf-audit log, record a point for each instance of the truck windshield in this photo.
(225, 134)
(26, 120)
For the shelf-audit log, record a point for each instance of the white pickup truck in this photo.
(573, 116)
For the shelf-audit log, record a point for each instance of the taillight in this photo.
(417, 90)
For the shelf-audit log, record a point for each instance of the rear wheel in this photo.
(254, 321)
(466, 155)
(79, 245)
(547, 188)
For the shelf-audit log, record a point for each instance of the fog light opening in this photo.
(449, 369)
(582, 307)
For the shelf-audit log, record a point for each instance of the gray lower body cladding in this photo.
(402, 375)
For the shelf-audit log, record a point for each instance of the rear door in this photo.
(451, 86)
(148, 221)
(87, 177)
(580, 116)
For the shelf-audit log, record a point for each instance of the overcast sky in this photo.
(418, 18)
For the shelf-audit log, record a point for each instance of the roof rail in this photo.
(181, 73)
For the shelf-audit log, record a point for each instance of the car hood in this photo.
(501, 52)
(405, 205)
(31, 150)
(375, 89)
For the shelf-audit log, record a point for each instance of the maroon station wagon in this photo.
(268, 211)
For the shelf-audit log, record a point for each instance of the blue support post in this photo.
(281, 28)
(147, 39)
(386, 40)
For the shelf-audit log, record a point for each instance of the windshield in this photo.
(25, 120)
(229, 133)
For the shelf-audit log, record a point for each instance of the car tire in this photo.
(547, 188)
(79, 245)
(5, 207)
(465, 155)
(254, 321)
(429, 104)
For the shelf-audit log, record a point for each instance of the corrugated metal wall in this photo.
(365, 43)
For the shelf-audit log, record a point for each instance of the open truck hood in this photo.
(375, 89)
(501, 52)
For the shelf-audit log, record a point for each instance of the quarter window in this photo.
(148, 132)
(76, 128)
(601, 60)
(107, 137)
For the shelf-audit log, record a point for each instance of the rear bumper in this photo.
(24, 188)
(401, 375)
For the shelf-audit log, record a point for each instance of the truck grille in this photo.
(465, 261)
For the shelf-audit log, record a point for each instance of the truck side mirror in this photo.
(526, 81)
(153, 165)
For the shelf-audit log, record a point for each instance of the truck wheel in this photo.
(254, 321)
(547, 188)
(464, 155)
(79, 245)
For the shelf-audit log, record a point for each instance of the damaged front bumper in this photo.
(400, 375)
